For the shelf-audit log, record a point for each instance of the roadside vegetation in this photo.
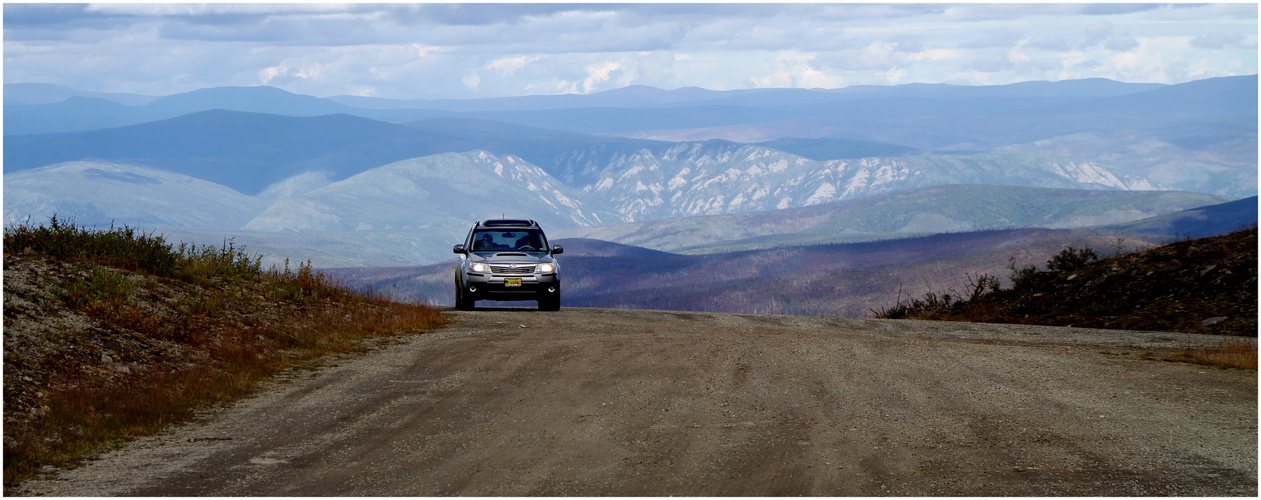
(1206, 286)
(114, 334)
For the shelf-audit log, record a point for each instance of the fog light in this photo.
(551, 289)
(472, 288)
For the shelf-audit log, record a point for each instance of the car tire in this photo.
(550, 302)
(462, 302)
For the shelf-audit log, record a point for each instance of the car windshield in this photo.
(516, 240)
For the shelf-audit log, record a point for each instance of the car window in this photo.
(499, 240)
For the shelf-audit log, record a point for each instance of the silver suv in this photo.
(507, 260)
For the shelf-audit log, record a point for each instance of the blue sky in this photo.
(491, 50)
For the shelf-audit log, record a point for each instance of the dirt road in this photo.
(606, 402)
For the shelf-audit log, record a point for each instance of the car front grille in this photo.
(512, 268)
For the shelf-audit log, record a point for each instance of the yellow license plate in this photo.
(512, 281)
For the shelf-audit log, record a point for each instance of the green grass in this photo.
(124, 247)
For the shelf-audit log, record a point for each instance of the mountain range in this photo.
(1198, 136)
(844, 279)
(910, 212)
(366, 181)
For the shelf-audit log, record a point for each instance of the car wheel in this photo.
(550, 302)
(462, 301)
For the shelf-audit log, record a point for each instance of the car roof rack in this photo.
(509, 223)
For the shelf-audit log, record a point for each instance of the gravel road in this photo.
(633, 403)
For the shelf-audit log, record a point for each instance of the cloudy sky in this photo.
(489, 50)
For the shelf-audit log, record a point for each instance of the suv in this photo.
(507, 260)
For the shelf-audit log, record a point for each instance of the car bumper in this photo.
(505, 287)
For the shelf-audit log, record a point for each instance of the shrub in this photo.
(118, 247)
(228, 324)
(1071, 259)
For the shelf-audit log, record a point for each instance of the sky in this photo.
(478, 50)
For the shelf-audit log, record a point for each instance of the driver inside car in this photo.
(484, 244)
(529, 242)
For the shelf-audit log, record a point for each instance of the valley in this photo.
(806, 249)
(786, 201)
(815, 280)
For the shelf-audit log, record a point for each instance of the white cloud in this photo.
(269, 74)
(796, 69)
(936, 55)
(1160, 59)
(482, 50)
(510, 65)
(599, 74)
(878, 54)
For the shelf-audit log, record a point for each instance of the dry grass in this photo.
(196, 326)
(1175, 288)
(82, 418)
(1229, 353)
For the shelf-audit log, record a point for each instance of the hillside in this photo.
(441, 191)
(1197, 136)
(1207, 285)
(409, 212)
(379, 182)
(934, 209)
(1209, 220)
(109, 335)
(824, 280)
(243, 151)
(99, 194)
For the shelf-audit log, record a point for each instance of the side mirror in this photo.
(458, 249)
(556, 249)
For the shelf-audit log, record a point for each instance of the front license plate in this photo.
(512, 281)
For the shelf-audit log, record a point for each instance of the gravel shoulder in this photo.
(592, 402)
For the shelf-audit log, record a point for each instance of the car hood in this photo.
(506, 257)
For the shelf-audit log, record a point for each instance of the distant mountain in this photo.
(99, 194)
(244, 151)
(413, 211)
(716, 177)
(828, 280)
(1086, 87)
(1200, 222)
(630, 109)
(824, 280)
(85, 111)
(1223, 164)
(71, 114)
(320, 165)
(449, 190)
(587, 247)
(579, 159)
(46, 93)
(1204, 133)
(575, 159)
(1199, 135)
(919, 116)
(250, 151)
(260, 99)
(835, 149)
(404, 213)
(629, 97)
(910, 212)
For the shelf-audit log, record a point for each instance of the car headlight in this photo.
(478, 267)
(546, 267)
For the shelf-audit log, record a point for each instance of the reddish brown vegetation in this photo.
(111, 335)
